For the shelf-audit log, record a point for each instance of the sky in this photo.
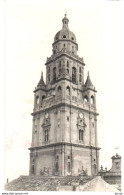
(29, 30)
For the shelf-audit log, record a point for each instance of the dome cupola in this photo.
(65, 33)
(65, 39)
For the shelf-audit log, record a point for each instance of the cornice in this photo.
(67, 55)
(59, 40)
(38, 89)
(64, 144)
(89, 89)
(63, 104)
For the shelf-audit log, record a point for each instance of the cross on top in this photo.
(65, 13)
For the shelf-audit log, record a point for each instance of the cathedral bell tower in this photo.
(64, 132)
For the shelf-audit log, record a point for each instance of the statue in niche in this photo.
(44, 172)
(82, 172)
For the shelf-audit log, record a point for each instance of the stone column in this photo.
(97, 160)
(63, 91)
(90, 141)
(33, 125)
(95, 131)
(63, 164)
(91, 159)
(62, 130)
(38, 127)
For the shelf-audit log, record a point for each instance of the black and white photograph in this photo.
(61, 98)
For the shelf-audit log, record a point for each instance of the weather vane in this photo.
(116, 149)
(65, 13)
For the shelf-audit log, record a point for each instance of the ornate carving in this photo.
(81, 121)
(46, 122)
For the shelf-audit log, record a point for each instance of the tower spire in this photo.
(88, 82)
(42, 75)
(41, 82)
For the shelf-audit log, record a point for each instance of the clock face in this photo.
(81, 115)
(46, 116)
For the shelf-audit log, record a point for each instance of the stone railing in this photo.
(68, 97)
(48, 101)
(80, 141)
(74, 98)
(93, 106)
(64, 52)
(59, 97)
(46, 142)
(112, 173)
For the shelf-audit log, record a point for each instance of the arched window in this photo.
(49, 69)
(64, 45)
(67, 63)
(57, 167)
(85, 98)
(68, 90)
(59, 90)
(59, 63)
(69, 167)
(79, 77)
(72, 49)
(80, 135)
(67, 71)
(37, 99)
(54, 73)
(74, 75)
(48, 77)
(32, 169)
(43, 97)
(59, 67)
(92, 99)
(117, 165)
(46, 135)
(64, 36)
(57, 158)
(67, 118)
(59, 71)
(72, 38)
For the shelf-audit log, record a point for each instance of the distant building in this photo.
(64, 133)
(112, 176)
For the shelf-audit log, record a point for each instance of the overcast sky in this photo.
(30, 27)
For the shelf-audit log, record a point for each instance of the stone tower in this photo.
(64, 133)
